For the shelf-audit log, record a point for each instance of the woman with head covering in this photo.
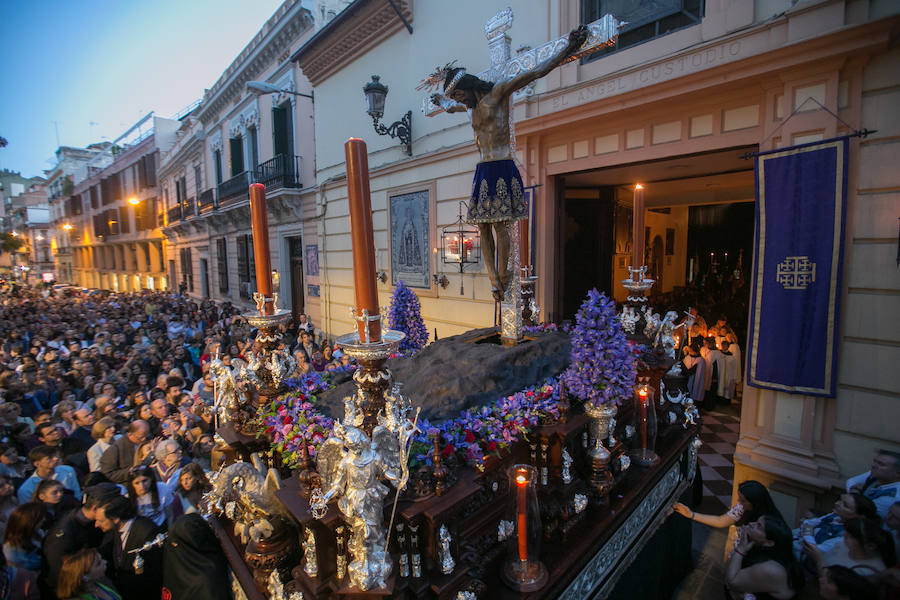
(194, 566)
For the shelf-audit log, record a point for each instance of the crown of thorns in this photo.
(435, 80)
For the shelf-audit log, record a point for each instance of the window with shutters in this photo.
(187, 269)
(217, 163)
(124, 225)
(95, 196)
(253, 148)
(246, 267)
(282, 130)
(236, 150)
(222, 264)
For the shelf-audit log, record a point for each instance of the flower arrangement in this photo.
(405, 314)
(602, 364)
(490, 430)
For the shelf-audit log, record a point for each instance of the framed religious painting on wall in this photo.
(410, 224)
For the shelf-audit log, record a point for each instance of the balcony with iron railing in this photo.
(188, 208)
(173, 215)
(234, 188)
(281, 171)
(206, 201)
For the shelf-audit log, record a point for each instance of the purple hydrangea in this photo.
(602, 364)
(405, 314)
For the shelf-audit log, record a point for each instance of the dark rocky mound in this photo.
(457, 373)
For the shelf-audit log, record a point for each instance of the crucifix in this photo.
(498, 199)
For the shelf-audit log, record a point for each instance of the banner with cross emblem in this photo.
(796, 283)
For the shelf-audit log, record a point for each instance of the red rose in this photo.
(470, 437)
(492, 446)
(529, 394)
(448, 450)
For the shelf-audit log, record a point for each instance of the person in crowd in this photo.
(103, 432)
(753, 502)
(828, 530)
(715, 373)
(192, 484)
(695, 367)
(194, 566)
(82, 576)
(762, 563)
(129, 531)
(8, 502)
(46, 461)
(84, 421)
(118, 459)
(307, 345)
(11, 464)
(16, 583)
(881, 484)
(168, 462)
(304, 324)
(23, 537)
(74, 532)
(865, 547)
(52, 495)
(892, 523)
(201, 451)
(837, 582)
(49, 434)
(151, 498)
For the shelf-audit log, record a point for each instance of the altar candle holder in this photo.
(645, 427)
(523, 570)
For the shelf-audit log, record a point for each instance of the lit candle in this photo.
(259, 223)
(521, 486)
(637, 234)
(363, 239)
(642, 394)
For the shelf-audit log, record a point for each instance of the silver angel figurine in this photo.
(351, 467)
(281, 365)
(629, 319)
(227, 397)
(310, 560)
(566, 467)
(447, 562)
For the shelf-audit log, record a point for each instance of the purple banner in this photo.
(794, 304)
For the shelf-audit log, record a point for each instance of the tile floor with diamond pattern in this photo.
(716, 462)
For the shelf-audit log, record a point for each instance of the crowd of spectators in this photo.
(106, 435)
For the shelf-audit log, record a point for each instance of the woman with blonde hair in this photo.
(83, 577)
(103, 431)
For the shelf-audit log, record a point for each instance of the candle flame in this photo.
(638, 186)
(643, 392)
(521, 479)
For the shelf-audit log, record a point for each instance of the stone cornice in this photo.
(276, 35)
(359, 27)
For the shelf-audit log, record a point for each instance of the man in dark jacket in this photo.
(130, 533)
(73, 532)
(119, 457)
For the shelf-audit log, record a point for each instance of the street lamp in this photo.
(261, 87)
(376, 92)
(68, 227)
(133, 201)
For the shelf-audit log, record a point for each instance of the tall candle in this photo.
(525, 243)
(521, 487)
(363, 239)
(642, 394)
(637, 233)
(259, 222)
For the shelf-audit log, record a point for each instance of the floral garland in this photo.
(476, 434)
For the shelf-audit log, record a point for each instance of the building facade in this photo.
(688, 89)
(29, 219)
(112, 218)
(238, 136)
(71, 167)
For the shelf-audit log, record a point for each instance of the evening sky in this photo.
(108, 62)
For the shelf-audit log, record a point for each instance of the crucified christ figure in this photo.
(498, 197)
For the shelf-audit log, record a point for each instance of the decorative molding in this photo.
(247, 118)
(285, 82)
(215, 141)
(358, 28)
(598, 576)
(279, 32)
